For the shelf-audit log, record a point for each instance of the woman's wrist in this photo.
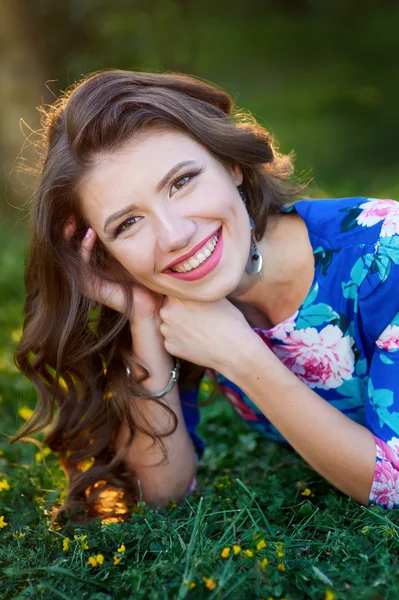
(242, 359)
(148, 351)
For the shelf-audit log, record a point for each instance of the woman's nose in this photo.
(174, 234)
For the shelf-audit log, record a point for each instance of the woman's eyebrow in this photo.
(172, 171)
(159, 188)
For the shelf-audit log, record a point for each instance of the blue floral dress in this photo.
(343, 341)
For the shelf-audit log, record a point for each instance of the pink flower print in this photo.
(394, 444)
(238, 404)
(322, 359)
(281, 330)
(375, 211)
(389, 338)
(388, 451)
(385, 488)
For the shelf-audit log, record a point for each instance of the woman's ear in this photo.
(237, 175)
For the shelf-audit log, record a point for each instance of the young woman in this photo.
(164, 232)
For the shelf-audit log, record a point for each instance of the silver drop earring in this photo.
(255, 261)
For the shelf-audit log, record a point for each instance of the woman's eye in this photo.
(178, 181)
(187, 176)
(125, 225)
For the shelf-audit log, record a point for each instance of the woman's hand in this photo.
(204, 333)
(146, 303)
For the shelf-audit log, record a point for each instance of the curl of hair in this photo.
(76, 351)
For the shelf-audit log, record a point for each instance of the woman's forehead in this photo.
(118, 178)
(150, 153)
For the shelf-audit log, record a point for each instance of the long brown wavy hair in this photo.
(76, 351)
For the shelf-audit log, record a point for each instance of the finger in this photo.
(87, 245)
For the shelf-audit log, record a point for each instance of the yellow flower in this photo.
(4, 485)
(249, 553)
(39, 456)
(65, 544)
(92, 561)
(100, 559)
(261, 544)
(236, 549)
(210, 584)
(386, 533)
(280, 552)
(19, 534)
(116, 560)
(2, 522)
(306, 492)
(263, 563)
(173, 504)
(225, 552)
(206, 386)
(281, 566)
(122, 548)
(81, 539)
(365, 530)
(188, 584)
(329, 595)
(25, 412)
(224, 481)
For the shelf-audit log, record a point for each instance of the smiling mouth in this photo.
(198, 258)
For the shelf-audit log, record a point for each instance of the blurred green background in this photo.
(322, 76)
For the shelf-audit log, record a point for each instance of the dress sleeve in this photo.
(191, 416)
(379, 312)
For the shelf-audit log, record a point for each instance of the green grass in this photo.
(248, 490)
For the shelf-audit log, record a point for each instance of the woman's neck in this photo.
(287, 273)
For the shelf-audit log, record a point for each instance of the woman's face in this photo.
(160, 220)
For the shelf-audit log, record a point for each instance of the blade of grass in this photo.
(56, 592)
(187, 571)
(10, 572)
(268, 526)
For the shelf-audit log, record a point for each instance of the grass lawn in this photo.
(261, 524)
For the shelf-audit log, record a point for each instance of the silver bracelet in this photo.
(174, 377)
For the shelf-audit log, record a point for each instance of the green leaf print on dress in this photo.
(387, 253)
(350, 221)
(380, 400)
(312, 315)
(350, 289)
(323, 258)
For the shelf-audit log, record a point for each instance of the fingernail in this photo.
(88, 233)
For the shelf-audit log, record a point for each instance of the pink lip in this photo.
(191, 252)
(206, 267)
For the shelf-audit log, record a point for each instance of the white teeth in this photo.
(198, 258)
(193, 262)
(201, 257)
